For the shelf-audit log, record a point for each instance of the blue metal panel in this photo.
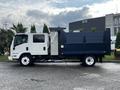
(85, 42)
(82, 48)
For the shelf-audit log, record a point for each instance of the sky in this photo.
(54, 13)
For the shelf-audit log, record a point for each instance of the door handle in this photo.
(44, 48)
(26, 48)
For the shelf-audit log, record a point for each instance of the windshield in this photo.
(20, 39)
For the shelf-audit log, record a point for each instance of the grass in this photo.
(109, 57)
(3, 58)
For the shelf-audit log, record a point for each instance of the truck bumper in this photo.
(10, 58)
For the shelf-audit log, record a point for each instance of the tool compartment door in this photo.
(54, 43)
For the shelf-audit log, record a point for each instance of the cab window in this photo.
(20, 39)
(38, 38)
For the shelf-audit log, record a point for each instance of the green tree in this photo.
(19, 28)
(2, 40)
(9, 38)
(6, 37)
(33, 29)
(45, 29)
(117, 44)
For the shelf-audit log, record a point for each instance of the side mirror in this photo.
(14, 47)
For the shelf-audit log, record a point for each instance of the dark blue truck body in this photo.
(85, 47)
(85, 43)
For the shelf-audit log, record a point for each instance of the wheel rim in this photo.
(25, 60)
(90, 60)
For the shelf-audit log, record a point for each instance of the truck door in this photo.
(19, 45)
(39, 45)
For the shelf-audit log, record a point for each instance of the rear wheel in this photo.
(89, 61)
(26, 60)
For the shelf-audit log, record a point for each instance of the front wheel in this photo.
(89, 61)
(26, 60)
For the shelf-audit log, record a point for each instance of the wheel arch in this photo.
(97, 57)
(28, 55)
(23, 54)
(86, 56)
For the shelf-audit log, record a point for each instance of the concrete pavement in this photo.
(59, 76)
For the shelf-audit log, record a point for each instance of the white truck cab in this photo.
(29, 44)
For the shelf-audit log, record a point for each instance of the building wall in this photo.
(109, 23)
(88, 25)
(113, 22)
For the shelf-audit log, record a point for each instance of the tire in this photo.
(89, 61)
(115, 54)
(25, 60)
